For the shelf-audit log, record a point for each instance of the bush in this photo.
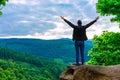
(106, 50)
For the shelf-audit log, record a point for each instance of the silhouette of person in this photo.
(79, 36)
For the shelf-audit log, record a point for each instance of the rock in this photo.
(91, 72)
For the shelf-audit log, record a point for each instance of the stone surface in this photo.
(91, 72)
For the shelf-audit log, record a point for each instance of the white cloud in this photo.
(60, 1)
(58, 32)
(92, 2)
(40, 18)
(114, 29)
(95, 29)
(23, 21)
(18, 2)
(24, 2)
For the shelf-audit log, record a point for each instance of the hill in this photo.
(59, 49)
(23, 66)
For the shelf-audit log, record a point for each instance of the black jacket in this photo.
(79, 32)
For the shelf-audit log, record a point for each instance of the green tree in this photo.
(109, 7)
(25, 66)
(2, 3)
(106, 50)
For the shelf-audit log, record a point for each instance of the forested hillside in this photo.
(60, 49)
(23, 66)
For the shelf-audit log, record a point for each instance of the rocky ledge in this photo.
(91, 72)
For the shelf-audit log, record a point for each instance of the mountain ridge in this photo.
(50, 49)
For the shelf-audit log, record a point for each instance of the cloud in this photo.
(92, 2)
(58, 32)
(41, 19)
(61, 1)
(95, 29)
(24, 2)
(18, 2)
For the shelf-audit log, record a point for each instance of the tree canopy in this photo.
(109, 8)
(2, 3)
(106, 50)
(26, 66)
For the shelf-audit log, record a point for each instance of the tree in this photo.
(106, 50)
(108, 8)
(2, 3)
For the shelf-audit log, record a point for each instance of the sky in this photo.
(41, 19)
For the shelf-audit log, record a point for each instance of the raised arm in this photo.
(92, 22)
(68, 22)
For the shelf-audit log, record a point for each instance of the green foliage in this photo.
(0, 13)
(106, 50)
(23, 66)
(58, 60)
(11, 70)
(50, 49)
(2, 3)
(109, 7)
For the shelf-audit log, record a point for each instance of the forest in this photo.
(23, 66)
(49, 49)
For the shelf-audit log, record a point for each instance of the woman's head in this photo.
(79, 22)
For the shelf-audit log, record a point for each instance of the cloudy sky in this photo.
(41, 18)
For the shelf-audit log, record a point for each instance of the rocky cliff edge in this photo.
(91, 72)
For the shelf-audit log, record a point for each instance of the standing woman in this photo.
(79, 36)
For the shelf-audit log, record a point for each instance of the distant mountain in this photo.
(59, 49)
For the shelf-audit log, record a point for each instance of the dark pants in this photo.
(79, 47)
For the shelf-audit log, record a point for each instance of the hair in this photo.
(79, 22)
